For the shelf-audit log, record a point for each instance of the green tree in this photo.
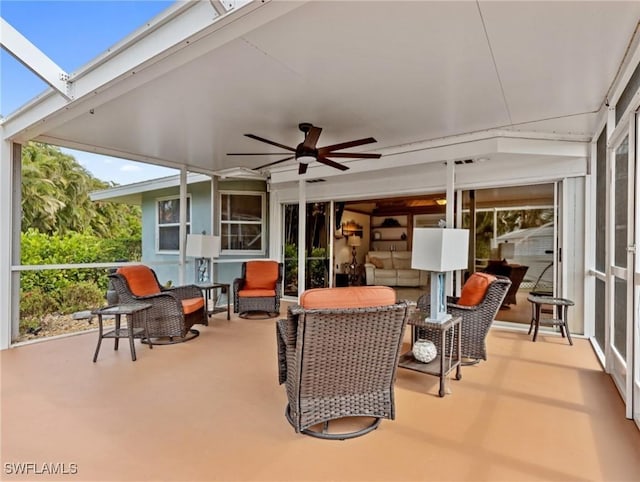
(55, 198)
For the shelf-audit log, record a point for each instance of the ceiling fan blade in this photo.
(257, 153)
(354, 155)
(345, 145)
(262, 139)
(302, 168)
(311, 139)
(331, 163)
(275, 162)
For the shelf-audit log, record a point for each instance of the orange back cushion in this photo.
(260, 275)
(351, 297)
(141, 280)
(475, 288)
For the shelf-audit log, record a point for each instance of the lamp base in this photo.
(438, 313)
(202, 270)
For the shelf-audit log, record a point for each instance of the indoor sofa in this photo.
(393, 268)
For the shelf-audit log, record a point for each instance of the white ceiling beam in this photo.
(34, 59)
(164, 48)
(470, 146)
(218, 7)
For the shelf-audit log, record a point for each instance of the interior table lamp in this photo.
(354, 242)
(204, 248)
(439, 250)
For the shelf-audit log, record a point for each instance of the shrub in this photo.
(39, 248)
(34, 305)
(84, 295)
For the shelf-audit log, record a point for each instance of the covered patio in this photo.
(212, 410)
(461, 96)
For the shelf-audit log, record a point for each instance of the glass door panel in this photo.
(620, 198)
(514, 236)
(635, 263)
(600, 242)
(621, 312)
(317, 247)
(290, 248)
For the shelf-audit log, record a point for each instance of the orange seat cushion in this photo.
(260, 275)
(191, 305)
(256, 293)
(141, 280)
(475, 288)
(349, 297)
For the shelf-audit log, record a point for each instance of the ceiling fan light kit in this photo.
(307, 152)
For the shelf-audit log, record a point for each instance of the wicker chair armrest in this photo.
(281, 335)
(238, 284)
(184, 292)
(156, 296)
(462, 308)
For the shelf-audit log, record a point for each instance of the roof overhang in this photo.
(446, 80)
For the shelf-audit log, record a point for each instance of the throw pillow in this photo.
(377, 262)
(475, 288)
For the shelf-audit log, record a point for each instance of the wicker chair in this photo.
(476, 318)
(174, 310)
(338, 354)
(258, 289)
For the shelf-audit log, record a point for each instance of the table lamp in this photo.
(354, 242)
(439, 250)
(204, 248)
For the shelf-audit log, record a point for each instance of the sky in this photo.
(72, 33)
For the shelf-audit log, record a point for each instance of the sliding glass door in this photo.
(515, 236)
(316, 243)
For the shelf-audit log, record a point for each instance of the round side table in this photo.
(561, 306)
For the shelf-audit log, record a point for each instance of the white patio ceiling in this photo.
(402, 72)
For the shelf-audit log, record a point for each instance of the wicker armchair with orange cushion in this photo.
(258, 290)
(479, 302)
(173, 310)
(338, 354)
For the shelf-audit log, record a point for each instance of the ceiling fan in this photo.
(307, 151)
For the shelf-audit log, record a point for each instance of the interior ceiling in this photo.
(402, 72)
(513, 196)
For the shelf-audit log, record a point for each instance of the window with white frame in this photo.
(242, 222)
(168, 224)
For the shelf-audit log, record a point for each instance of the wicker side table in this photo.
(212, 297)
(131, 311)
(562, 307)
(443, 363)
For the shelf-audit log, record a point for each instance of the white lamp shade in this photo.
(436, 249)
(354, 240)
(203, 246)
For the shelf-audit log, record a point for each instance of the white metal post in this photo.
(6, 242)
(183, 226)
(302, 229)
(451, 197)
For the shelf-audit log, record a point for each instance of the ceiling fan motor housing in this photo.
(304, 154)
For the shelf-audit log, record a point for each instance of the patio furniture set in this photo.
(339, 348)
(159, 315)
